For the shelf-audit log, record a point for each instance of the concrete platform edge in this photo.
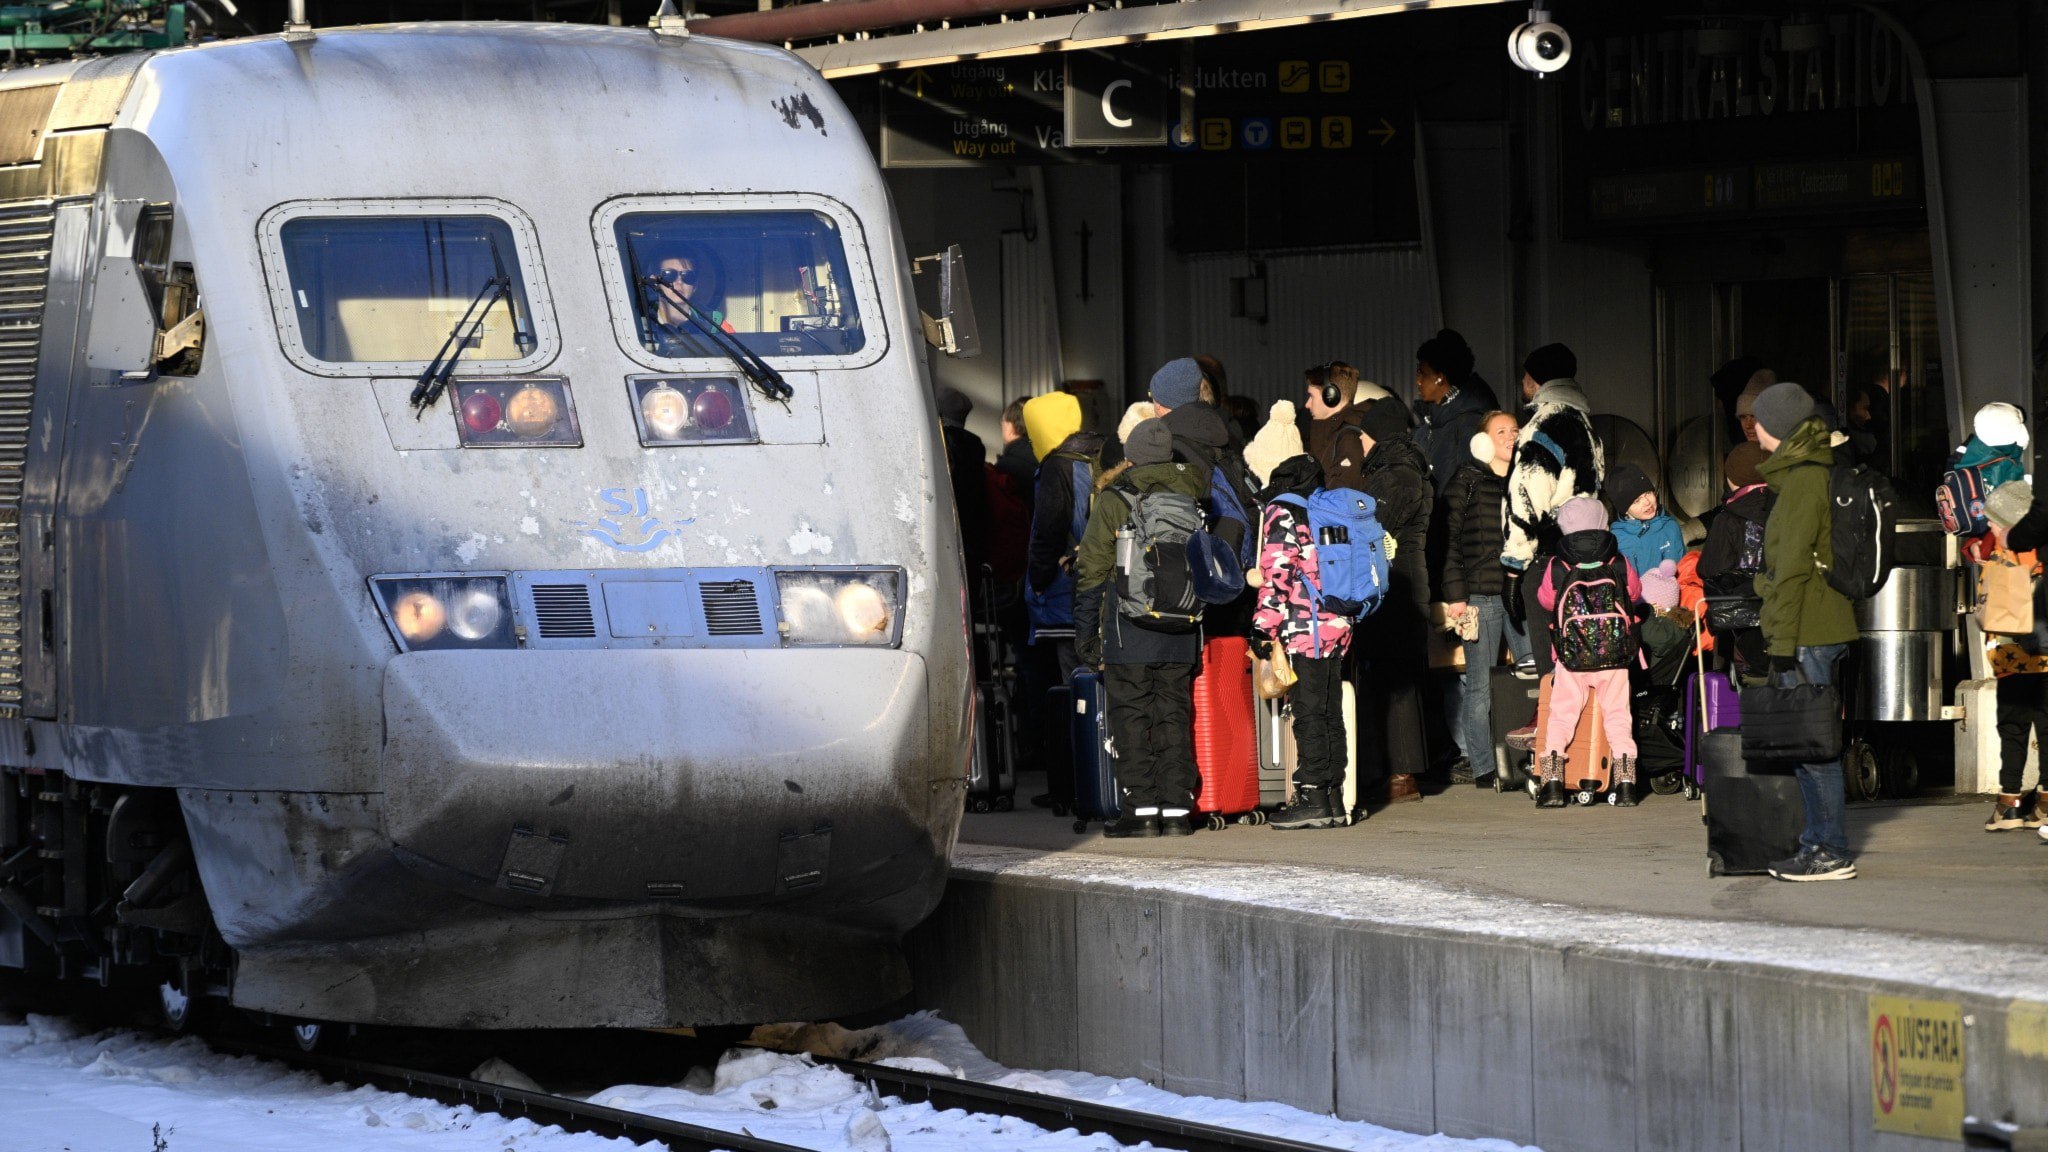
(1568, 1044)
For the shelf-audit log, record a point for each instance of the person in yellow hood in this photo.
(1050, 419)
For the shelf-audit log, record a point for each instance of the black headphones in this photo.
(1331, 396)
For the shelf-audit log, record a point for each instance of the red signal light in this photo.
(712, 408)
(481, 412)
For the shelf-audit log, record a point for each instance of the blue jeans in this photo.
(1475, 692)
(1820, 785)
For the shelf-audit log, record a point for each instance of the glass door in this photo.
(1889, 384)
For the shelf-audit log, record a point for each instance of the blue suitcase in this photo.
(1095, 797)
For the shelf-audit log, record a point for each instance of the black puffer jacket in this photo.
(1475, 510)
(1396, 475)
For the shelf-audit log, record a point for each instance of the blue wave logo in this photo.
(629, 523)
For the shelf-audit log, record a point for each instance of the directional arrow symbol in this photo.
(919, 78)
(1385, 132)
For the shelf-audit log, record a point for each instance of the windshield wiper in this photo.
(434, 380)
(647, 303)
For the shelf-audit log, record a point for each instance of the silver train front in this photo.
(607, 825)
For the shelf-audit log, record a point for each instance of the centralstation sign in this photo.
(1105, 106)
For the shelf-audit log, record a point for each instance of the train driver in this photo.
(680, 280)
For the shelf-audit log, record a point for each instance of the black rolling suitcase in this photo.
(1753, 811)
(992, 774)
(1514, 706)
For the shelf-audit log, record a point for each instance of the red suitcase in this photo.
(1226, 742)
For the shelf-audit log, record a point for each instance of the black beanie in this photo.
(1551, 362)
(954, 405)
(1626, 484)
(1384, 420)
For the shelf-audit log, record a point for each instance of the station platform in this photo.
(1469, 964)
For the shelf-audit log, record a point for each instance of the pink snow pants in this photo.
(1568, 692)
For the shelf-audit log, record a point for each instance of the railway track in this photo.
(1053, 1113)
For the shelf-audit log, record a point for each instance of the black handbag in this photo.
(1801, 723)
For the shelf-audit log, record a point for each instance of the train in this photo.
(475, 549)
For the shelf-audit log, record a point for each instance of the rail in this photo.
(565, 1112)
(1052, 1113)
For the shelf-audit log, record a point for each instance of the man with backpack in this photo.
(1807, 623)
(1202, 439)
(1138, 619)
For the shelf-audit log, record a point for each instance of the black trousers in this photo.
(2022, 712)
(1319, 736)
(1535, 617)
(1390, 658)
(1152, 733)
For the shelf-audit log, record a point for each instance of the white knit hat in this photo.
(1279, 440)
(1999, 424)
(1135, 415)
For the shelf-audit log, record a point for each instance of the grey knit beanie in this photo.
(1151, 442)
(1783, 407)
(1177, 384)
(2008, 502)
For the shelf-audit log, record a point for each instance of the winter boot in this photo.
(1174, 822)
(1551, 793)
(2005, 814)
(1623, 794)
(1310, 808)
(2034, 809)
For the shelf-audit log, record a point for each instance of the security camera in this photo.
(1539, 46)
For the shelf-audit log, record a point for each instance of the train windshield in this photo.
(390, 289)
(777, 281)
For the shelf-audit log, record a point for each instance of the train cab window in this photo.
(366, 287)
(777, 281)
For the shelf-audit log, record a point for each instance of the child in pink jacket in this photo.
(1590, 592)
(1287, 617)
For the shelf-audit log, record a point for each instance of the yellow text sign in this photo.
(1916, 1066)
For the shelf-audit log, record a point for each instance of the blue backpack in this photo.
(1225, 503)
(1351, 552)
(1051, 609)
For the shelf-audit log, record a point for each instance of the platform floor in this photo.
(1925, 868)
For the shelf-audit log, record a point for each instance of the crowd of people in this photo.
(1501, 524)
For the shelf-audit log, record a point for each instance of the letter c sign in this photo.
(1109, 109)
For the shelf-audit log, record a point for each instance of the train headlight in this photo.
(841, 608)
(666, 411)
(430, 612)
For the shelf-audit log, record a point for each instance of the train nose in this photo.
(708, 778)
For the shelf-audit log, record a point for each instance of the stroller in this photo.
(1657, 702)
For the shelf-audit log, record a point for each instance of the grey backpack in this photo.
(1155, 585)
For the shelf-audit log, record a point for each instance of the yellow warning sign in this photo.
(1916, 1066)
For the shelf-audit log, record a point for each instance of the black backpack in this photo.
(1864, 513)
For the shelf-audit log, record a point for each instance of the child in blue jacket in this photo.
(1646, 533)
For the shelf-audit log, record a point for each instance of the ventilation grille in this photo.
(25, 228)
(564, 611)
(730, 608)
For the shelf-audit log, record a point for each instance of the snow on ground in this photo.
(65, 1091)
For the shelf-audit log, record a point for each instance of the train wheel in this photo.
(1005, 803)
(1861, 773)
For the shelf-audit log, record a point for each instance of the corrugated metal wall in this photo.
(1370, 307)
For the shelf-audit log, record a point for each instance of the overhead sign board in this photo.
(1117, 101)
(971, 113)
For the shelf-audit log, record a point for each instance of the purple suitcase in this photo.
(1724, 710)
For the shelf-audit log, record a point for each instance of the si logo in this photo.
(628, 522)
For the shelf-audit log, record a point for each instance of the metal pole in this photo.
(296, 26)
